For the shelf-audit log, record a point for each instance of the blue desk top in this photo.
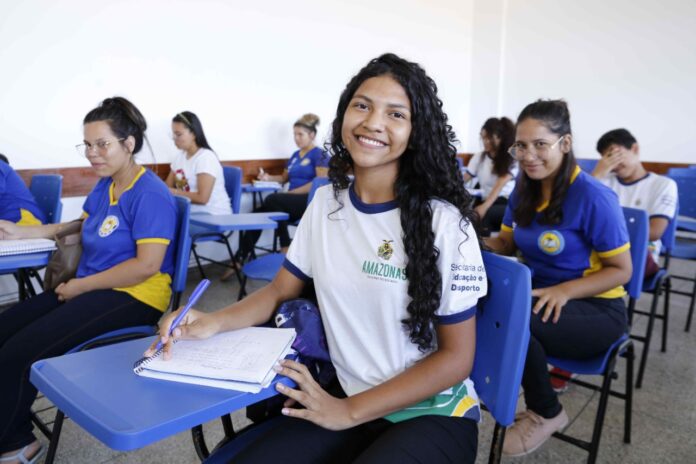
(98, 390)
(232, 222)
(14, 262)
(250, 188)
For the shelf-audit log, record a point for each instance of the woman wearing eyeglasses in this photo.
(571, 232)
(196, 171)
(495, 171)
(123, 278)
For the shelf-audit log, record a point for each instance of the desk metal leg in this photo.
(55, 436)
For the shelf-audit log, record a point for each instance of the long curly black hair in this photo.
(428, 170)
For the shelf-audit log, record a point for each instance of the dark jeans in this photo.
(292, 203)
(586, 328)
(494, 216)
(42, 327)
(424, 439)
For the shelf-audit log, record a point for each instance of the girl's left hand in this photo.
(554, 298)
(322, 409)
(481, 210)
(69, 289)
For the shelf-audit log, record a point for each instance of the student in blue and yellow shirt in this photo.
(17, 204)
(124, 274)
(571, 232)
(304, 165)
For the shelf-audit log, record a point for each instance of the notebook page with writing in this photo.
(245, 355)
(26, 245)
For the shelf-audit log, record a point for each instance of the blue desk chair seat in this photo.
(267, 266)
(233, 186)
(605, 364)
(502, 339)
(183, 247)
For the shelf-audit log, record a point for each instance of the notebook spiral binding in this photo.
(142, 363)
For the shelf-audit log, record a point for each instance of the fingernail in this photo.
(285, 411)
(280, 386)
(277, 367)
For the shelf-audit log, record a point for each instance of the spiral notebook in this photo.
(239, 360)
(26, 245)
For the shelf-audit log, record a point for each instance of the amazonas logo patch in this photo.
(109, 225)
(551, 242)
(385, 250)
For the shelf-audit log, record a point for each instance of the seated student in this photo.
(620, 169)
(571, 232)
(403, 347)
(196, 172)
(123, 278)
(495, 170)
(304, 165)
(17, 204)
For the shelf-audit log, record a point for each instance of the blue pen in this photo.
(202, 286)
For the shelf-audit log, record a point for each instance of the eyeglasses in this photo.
(100, 148)
(541, 148)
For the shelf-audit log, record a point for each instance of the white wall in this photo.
(248, 69)
(619, 63)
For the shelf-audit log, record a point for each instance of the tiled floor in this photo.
(664, 413)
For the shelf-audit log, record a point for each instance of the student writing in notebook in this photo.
(17, 204)
(398, 271)
(495, 171)
(571, 232)
(196, 171)
(123, 278)
(308, 162)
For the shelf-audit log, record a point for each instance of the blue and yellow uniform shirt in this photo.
(112, 230)
(17, 204)
(302, 170)
(593, 227)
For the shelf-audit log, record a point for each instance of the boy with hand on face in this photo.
(620, 169)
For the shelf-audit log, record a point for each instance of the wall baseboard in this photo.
(79, 181)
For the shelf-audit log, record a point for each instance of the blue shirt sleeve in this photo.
(508, 217)
(153, 218)
(605, 227)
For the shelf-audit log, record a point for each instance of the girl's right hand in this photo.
(9, 230)
(195, 325)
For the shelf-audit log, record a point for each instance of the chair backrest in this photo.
(638, 228)
(233, 185)
(669, 236)
(587, 165)
(316, 183)
(47, 189)
(686, 189)
(183, 248)
(502, 336)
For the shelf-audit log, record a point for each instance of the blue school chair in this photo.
(684, 248)
(182, 252)
(233, 186)
(656, 285)
(47, 190)
(267, 266)
(587, 165)
(502, 339)
(605, 364)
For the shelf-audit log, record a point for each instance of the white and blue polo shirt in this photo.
(354, 252)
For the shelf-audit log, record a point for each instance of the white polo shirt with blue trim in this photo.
(355, 254)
